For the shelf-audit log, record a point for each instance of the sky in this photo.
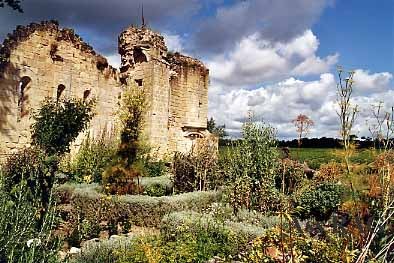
(275, 58)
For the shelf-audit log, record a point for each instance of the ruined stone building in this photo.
(43, 60)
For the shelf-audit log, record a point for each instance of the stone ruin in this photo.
(44, 60)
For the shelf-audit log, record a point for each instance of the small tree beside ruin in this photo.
(303, 124)
(56, 126)
(131, 115)
(120, 178)
(218, 130)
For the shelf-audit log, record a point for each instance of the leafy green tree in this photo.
(250, 166)
(217, 130)
(56, 127)
(57, 124)
(120, 178)
(131, 116)
(14, 4)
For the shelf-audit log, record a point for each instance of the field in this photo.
(314, 157)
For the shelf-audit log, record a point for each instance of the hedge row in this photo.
(178, 223)
(140, 210)
(186, 236)
(157, 186)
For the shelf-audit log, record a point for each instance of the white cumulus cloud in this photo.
(372, 83)
(256, 60)
(281, 102)
(174, 42)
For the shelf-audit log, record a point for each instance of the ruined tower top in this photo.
(141, 36)
(140, 44)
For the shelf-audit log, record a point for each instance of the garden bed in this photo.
(140, 210)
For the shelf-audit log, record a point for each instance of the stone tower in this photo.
(143, 65)
(176, 87)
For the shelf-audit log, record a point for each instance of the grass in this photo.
(315, 157)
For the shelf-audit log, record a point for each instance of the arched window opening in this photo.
(24, 85)
(194, 135)
(60, 90)
(139, 55)
(86, 94)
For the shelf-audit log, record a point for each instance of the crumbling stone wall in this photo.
(43, 60)
(176, 87)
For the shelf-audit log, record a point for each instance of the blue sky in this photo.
(362, 31)
(276, 58)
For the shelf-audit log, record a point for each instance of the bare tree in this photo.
(303, 123)
(347, 112)
(382, 126)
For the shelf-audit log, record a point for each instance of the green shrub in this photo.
(250, 167)
(304, 248)
(18, 227)
(155, 169)
(333, 248)
(178, 223)
(204, 244)
(291, 174)
(140, 210)
(107, 251)
(31, 168)
(93, 157)
(57, 124)
(156, 186)
(185, 237)
(319, 202)
(82, 229)
(121, 181)
(153, 166)
(197, 169)
(207, 236)
(185, 179)
(255, 218)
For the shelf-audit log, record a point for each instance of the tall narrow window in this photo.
(86, 94)
(139, 82)
(60, 90)
(24, 85)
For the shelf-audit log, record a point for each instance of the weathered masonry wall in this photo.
(142, 55)
(189, 101)
(41, 61)
(176, 87)
(44, 60)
